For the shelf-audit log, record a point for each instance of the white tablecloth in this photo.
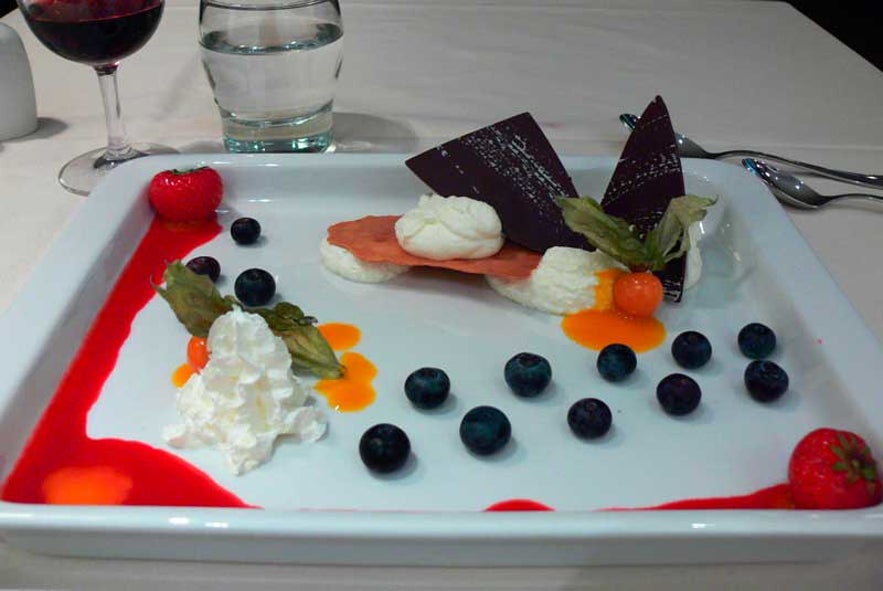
(733, 73)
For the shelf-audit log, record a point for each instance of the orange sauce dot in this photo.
(354, 391)
(340, 336)
(96, 485)
(182, 374)
(604, 289)
(603, 325)
(596, 329)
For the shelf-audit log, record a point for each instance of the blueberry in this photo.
(678, 394)
(254, 287)
(756, 341)
(205, 266)
(589, 418)
(485, 430)
(427, 387)
(616, 362)
(765, 380)
(384, 448)
(527, 374)
(245, 231)
(691, 349)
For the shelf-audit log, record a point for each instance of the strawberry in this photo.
(833, 469)
(186, 195)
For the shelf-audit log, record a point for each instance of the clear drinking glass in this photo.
(273, 67)
(98, 33)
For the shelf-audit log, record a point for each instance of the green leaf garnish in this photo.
(615, 237)
(193, 298)
(309, 349)
(197, 303)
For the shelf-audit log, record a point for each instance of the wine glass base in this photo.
(84, 172)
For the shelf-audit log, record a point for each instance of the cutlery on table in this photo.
(690, 149)
(792, 191)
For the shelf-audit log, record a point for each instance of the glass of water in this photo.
(273, 66)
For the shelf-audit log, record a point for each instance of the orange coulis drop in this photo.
(602, 325)
(97, 485)
(355, 390)
(340, 336)
(182, 374)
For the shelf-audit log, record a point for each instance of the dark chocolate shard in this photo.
(511, 166)
(647, 177)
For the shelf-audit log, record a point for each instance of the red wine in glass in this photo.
(98, 33)
(96, 40)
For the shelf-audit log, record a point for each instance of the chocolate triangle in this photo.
(511, 166)
(648, 176)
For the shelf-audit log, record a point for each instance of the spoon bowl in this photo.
(792, 191)
(690, 149)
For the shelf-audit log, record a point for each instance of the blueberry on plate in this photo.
(765, 380)
(527, 374)
(678, 394)
(485, 430)
(205, 266)
(254, 287)
(427, 387)
(589, 418)
(616, 362)
(245, 231)
(691, 349)
(756, 340)
(384, 448)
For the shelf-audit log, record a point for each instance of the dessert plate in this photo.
(318, 502)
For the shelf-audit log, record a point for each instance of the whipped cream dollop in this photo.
(245, 397)
(442, 228)
(342, 262)
(563, 283)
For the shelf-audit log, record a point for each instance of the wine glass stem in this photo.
(118, 147)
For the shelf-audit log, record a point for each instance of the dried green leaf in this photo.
(609, 234)
(309, 349)
(311, 352)
(614, 236)
(668, 239)
(193, 298)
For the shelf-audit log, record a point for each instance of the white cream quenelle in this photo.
(443, 228)
(563, 283)
(245, 397)
(342, 262)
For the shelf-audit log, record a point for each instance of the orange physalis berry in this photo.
(197, 353)
(637, 293)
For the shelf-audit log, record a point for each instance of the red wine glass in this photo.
(98, 33)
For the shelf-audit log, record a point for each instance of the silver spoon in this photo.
(792, 191)
(690, 149)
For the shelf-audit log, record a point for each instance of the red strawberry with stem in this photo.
(186, 195)
(833, 469)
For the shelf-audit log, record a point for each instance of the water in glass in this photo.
(273, 70)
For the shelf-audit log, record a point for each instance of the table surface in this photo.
(735, 73)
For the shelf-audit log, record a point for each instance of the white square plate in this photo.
(320, 504)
